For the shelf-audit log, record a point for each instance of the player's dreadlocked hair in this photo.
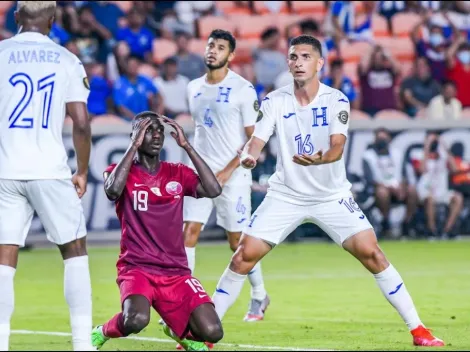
(309, 40)
(226, 35)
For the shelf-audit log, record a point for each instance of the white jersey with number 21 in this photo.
(305, 130)
(38, 77)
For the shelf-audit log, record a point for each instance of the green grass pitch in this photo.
(321, 298)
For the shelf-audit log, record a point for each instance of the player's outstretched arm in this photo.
(115, 181)
(82, 143)
(209, 187)
(250, 154)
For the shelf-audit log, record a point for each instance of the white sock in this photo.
(255, 276)
(7, 304)
(228, 289)
(392, 286)
(77, 291)
(191, 254)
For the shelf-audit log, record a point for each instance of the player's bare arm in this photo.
(224, 175)
(335, 153)
(251, 152)
(208, 186)
(82, 143)
(116, 180)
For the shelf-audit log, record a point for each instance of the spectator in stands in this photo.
(433, 185)
(435, 47)
(93, 39)
(339, 81)
(458, 68)
(418, 90)
(269, 61)
(390, 8)
(134, 93)
(99, 100)
(117, 61)
(445, 106)
(108, 14)
(341, 23)
(138, 37)
(378, 74)
(384, 174)
(190, 65)
(172, 86)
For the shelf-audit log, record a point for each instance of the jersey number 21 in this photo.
(45, 85)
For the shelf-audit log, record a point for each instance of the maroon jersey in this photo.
(150, 210)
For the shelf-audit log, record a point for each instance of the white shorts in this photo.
(275, 219)
(55, 201)
(233, 208)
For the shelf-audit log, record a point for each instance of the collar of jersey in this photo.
(229, 73)
(321, 91)
(31, 36)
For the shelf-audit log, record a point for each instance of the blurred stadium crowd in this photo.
(392, 59)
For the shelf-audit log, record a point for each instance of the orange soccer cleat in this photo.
(423, 337)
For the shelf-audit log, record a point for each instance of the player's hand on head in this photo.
(308, 160)
(178, 133)
(80, 183)
(138, 131)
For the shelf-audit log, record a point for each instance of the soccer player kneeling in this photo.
(152, 267)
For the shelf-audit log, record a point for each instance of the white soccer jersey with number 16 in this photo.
(38, 77)
(305, 130)
(221, 112)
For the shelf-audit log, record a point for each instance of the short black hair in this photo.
(337, 63)
(180, 33)
(269, 32)
(449, 82)
(225, 35)
(134, 57)
(145, 114)
(170, 61)
(309, 25)
(308, 40)
(382, 130)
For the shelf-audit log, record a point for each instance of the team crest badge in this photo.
(256, 105)
(86, 83)
(260, 116)
(174, 188)
(343, 117)
(156, 191)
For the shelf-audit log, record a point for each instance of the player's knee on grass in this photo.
(136, 314)
(205, 324)
(73, 249)
(135, 322)
(365, 248)
(191, 233)
(233, 240)
(213, 333)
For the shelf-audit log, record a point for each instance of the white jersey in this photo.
(305, 130)
(221, 112)
(37, 79)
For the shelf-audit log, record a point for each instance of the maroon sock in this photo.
(115, 327)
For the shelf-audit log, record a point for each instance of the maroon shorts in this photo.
(173, 297)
